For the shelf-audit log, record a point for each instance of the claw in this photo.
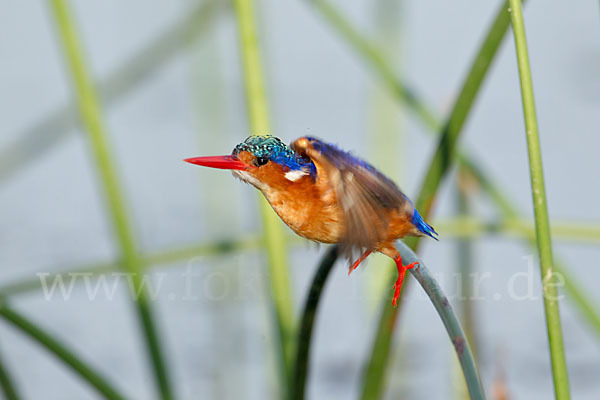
(412, 265)
(401, 272)
(357, 262)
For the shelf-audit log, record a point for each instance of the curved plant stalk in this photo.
(300, 373)
(7, 386)
(61, 351)
(56, 125)
(91, 116)
(444, 309)
(436, 296)
(274, 237)
(540, 208)
(375, 372)
(584, 302)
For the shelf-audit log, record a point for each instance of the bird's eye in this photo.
(261, 161)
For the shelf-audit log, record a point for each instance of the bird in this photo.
(328, 195)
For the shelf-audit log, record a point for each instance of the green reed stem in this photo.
(61, 351)
(50, 130)
(540, 207)
(375, 373)
(444, 310)
(309, 313)
(577, 294)
(444, 154)
(584, 302)
(432, 289)
(274, 238)
(7, 385)
(465, 267)
(89, 109)
(386, 132)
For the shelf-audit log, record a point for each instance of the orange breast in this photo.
(314, 213)
(310, 208)
(307, 209)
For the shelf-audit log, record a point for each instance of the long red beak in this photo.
(221, 162)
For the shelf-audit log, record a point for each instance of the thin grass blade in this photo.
(89, 109)
(309, 313)
(274, 238)
(61, 351)
(9, 389)
(50, 130)
(540, 208)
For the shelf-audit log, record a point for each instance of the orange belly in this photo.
(319, 218)
(309, 215)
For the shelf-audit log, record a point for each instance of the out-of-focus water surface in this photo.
(216, 323)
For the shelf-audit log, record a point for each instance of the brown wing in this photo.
(365, 195)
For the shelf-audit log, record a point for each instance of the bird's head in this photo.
(263, 161)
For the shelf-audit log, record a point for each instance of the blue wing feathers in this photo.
(378, 189)
(423, 226)
(341, 159)
(339, 156)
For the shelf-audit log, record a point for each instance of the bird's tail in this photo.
(423, 226)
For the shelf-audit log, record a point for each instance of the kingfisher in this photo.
(328, 195)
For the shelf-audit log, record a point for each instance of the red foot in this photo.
(401, 272)
(357, 262)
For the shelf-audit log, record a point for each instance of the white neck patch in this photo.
(294, 175)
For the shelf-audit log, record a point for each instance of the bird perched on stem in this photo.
(327, 195)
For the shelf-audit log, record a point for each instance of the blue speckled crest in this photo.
(275, 150)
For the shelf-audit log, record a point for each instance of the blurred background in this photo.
(170, 84)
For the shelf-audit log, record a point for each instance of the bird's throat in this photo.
(249, 178)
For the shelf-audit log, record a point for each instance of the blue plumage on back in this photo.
(423, 226)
